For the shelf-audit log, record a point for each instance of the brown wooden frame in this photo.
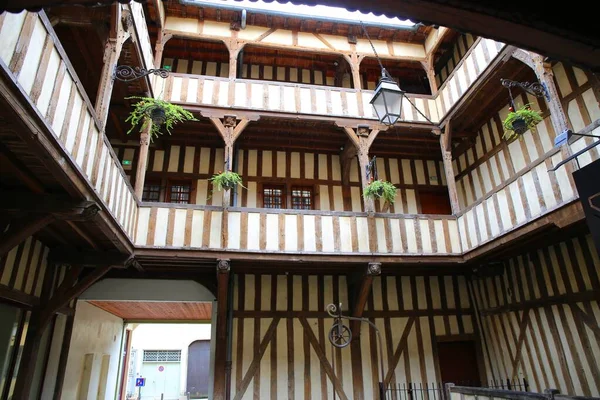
(173, 182)
(284, 194)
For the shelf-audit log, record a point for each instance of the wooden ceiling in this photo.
(157, 310)
(299, 23)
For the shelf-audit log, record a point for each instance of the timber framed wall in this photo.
(491, 161)
(176, 161)
(541, 317)
(26, 280)
(280, 346)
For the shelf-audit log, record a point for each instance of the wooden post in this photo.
(543, 71)
(223, 271)
(362, 139)
(112, 51)
(140, 173)
(362, 283)
(446, 148)
(234, 46)
(161, 40)
(64, 355)
(230, 130)
(430, 71)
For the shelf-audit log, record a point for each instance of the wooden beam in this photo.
(16, 296)
(446, 150)
(59, 207)
(20, 229)
(63, 297)
(223, 272)
(142, 163)
(72, 256)
(64, 355)
(362, 287)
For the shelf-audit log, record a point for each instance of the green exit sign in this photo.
(126, 162)
(167, 67)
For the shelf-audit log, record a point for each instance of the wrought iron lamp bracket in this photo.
(125, 73)
(535, 89)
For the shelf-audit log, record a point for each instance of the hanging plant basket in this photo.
(158, 116)
(226, 180)
(520, 121)
(380, 189)
(158, 113)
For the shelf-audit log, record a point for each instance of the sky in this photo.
(321, 11)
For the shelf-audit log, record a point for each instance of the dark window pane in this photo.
(151, 192)
(302, 198)
(180, 193)
(272, 197)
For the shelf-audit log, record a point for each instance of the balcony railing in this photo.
(34, 58)
(294, 231)
(284, 97)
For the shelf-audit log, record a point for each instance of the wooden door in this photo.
(434, 203)
(198, 368)
(458, 363)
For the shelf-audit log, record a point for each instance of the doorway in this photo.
(458, 362)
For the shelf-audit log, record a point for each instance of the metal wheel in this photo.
(340, 335)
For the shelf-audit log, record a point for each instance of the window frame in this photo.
(181, 182)
(152, 182)
(282, 187)
(309, 188)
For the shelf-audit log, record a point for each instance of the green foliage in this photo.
(143, 108)
(226, 180)
(531, 118)
(380, 190)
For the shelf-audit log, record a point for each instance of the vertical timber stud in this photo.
(223, 272)
(446, 148)
(543, 71)
(234, 46)
(362, 139)
(161, 40)
(142, 163)
(430, 71)
(230, 130)
(118, 34)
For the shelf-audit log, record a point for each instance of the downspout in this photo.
(228, 356)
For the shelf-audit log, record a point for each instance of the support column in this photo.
(229, 129)
(162, 39)
(430, 71)
(234, 46)
(362, 139)
(446, 148)
(223, 272)
(112, 50)
(543, 71)
(140, 173)
(361, 285)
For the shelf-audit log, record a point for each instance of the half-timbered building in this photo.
(482, 270)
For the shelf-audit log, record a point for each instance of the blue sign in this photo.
(140, 382)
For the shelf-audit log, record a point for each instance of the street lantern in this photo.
(387, 99)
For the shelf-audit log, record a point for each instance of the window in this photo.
(273, 197)
(302, 198)
(162, 355)
(151, 191)
(179, 192)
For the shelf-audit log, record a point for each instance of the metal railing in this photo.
(438, 391)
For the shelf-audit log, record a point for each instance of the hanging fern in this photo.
(527, 117)
(226, 180)
(146, 105)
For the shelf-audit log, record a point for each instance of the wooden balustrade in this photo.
(532, 193)
(286, 97)
(33, 56)
(464, 75)
(294, 231)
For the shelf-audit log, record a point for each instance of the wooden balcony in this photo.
(295, 232)
(37, 64)
(327, 101)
